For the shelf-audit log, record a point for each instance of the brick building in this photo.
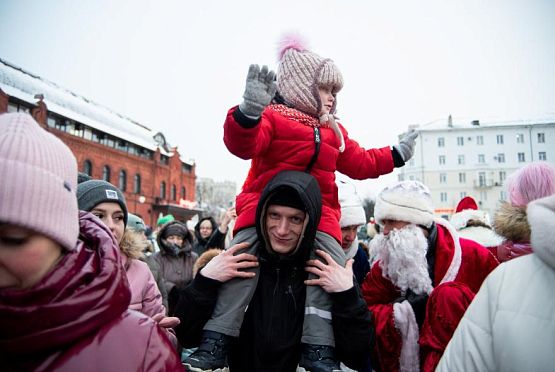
(152, 174)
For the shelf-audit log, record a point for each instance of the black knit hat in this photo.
(287, 197)
(93, 192)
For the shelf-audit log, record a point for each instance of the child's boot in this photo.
(211, 354)
(318, 358)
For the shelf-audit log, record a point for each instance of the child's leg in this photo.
(317, 327)
(235, 294)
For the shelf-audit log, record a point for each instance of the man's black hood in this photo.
(308, 190)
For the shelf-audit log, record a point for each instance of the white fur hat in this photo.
(408, 201)
(352, 212)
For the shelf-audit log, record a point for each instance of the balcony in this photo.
(483, 183)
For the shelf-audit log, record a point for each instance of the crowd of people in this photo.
(86, 285)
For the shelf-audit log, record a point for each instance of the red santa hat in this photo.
(467, 210)
(466, 203)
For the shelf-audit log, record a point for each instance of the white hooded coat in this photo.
(510, 325)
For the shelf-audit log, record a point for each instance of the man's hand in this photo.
(166, 321)
(259, 91)
(332, 277)
(227, 265)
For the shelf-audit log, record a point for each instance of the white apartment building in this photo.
(458, 159)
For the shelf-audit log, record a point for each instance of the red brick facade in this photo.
(148, 202)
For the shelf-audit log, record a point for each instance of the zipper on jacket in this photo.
(270, 325)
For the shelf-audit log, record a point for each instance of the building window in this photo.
(502, 176)
(164, 160)
(443, 196)
(460, 141)
(173, 193)
(183, 192)
(461, 159)
(542, 155)
(520, 138)
(502, 196)
(123, 180)
(87, 167)
(106, 173)
(541, 137)
(521, 158)
(479, 140)
(500, 158)
(482, 179)
(499, 139)
(440, 142)
(163, 190)
(441, 159)
(137, 184)
(462, 177)
(481, 158)
(483, 196)
(462, 194)
(442, 178)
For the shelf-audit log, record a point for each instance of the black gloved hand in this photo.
(418, 303)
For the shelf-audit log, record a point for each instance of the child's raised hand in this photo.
(259, 91)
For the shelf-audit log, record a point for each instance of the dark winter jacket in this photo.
(270, 338)
(216, 240)
(77, 319)
(172, 267)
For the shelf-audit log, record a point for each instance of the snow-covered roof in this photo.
(443, 124)
(21, 84)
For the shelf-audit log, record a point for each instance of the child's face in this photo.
(25, 256)
(112, 216)
(327, 99)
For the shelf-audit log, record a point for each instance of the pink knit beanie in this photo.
(533, 181)
(301, 73)
(39, 179)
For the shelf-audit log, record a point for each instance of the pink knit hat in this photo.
(39, 179)
(300, 74)
(533, 181)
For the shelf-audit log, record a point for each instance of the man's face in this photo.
(389, 225)
(284, 226)
(348, 235)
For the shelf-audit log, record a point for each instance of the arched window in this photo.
(137, 184)
(163, 190)
(123, 180)
(183, 192)
(106, 173)
(173, 193)
(87, 167)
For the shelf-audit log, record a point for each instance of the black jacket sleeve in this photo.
(353, 328)
(194, 307)
(216, 240)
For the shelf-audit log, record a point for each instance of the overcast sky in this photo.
(177, 66)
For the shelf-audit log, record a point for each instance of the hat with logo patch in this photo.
(93, 192)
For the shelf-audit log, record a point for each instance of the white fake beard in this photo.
(402, 258)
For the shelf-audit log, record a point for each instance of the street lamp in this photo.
(141, 199)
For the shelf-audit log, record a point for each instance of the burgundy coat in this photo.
(280, 142)
(76, 317)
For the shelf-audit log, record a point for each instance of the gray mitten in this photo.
(406, 145)
(259, 92)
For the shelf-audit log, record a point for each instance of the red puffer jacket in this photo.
(281, 142)
(76, 317)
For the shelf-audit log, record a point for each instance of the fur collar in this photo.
(132, 245)
(511, 223)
